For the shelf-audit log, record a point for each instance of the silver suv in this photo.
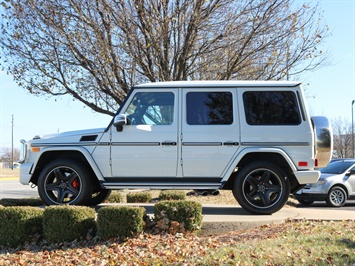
(336, 185)
(254, 138)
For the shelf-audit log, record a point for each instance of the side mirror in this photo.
(119, 121)
(351, 172)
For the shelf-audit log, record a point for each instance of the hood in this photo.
(70, 136)
(331, 177)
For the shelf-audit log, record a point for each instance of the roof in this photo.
(218, 83)
(352, 160)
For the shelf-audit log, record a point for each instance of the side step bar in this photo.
(167, 185)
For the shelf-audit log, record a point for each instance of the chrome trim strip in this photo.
(299, 144)
(135, 143)
(154, 185)
(202, 144)
(81, 144)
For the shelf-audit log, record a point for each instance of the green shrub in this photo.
(119, 221)
(178, 215)
(17, 224)
(67, 223)
(139, 197)
(172, 195)
(21, 202)
(115, 197)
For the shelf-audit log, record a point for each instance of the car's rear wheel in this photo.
(336, 197)
(64, 182)
(99, 197)
(261, 188)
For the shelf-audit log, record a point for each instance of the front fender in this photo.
(51, 151)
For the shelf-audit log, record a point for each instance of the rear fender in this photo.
(246, 151)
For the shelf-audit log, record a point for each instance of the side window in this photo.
(271, 108)
(151, 108)
(209, 108)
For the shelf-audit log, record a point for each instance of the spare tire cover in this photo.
(323, 140)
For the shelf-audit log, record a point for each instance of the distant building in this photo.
(4, 164)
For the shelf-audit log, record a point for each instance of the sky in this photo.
(330, 89)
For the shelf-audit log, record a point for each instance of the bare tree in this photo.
(96, 50)
(342, 138)
(6, 154)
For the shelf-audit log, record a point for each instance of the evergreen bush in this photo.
(67, 223)
(119, 221)
(17, 224)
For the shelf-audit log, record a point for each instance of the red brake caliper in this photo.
(76, 184)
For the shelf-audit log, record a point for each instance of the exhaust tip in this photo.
(207, 192)
(215, 192)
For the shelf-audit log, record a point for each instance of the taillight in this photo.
(302, 164)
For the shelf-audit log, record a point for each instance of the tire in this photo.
(336, 197)
(261, 188)
(64, 182)
(99, 197)
(306, 202)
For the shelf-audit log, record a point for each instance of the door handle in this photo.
(228, 143)
(168, 143)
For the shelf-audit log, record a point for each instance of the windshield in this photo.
(337, 167)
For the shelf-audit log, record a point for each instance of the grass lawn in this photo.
(9, 173)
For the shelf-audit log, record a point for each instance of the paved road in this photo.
(11, 188)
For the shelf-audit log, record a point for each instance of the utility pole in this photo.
(352, 126)
(12, 143)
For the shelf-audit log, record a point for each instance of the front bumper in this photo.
(25, 173)
(309, 197)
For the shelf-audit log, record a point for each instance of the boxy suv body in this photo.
(254, 138)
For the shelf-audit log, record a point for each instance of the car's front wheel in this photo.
(336, 197)
(64, 182)
(261, 188)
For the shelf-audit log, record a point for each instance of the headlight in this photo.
(23, 151)
(320, 183)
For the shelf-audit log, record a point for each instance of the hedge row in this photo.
(67, 223)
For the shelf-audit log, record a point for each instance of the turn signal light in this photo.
(35, 149)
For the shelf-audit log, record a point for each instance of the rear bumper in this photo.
(307, 177)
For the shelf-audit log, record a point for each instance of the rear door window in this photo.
(271, 108)
(209, 108)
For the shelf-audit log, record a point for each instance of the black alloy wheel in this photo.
(261, 188)
(64, 182)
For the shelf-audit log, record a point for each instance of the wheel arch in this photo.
(341, 186)
(73, 154)
(274, 156)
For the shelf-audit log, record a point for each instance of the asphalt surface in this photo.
(218, 218)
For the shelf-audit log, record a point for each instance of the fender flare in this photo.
(246, 151)
(81, 150)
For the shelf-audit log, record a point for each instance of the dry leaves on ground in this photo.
(182, 249)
